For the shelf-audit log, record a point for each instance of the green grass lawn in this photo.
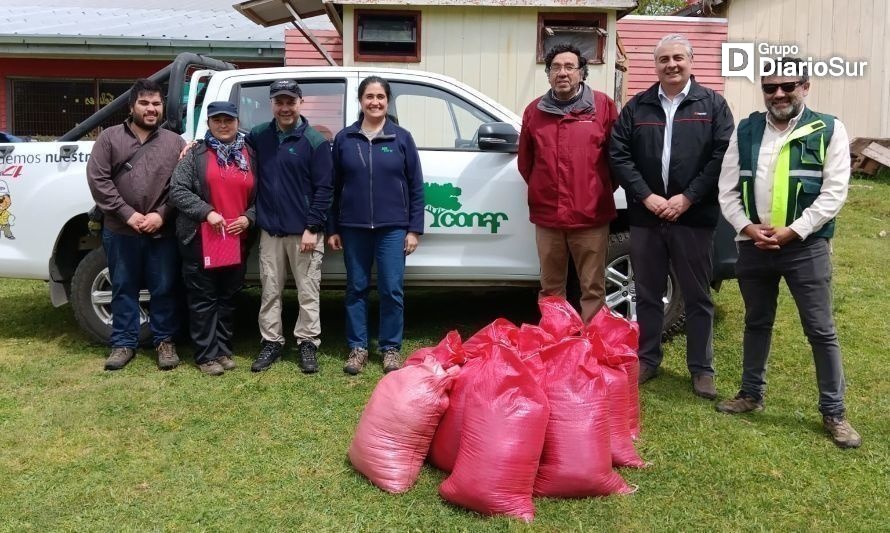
(140, 449)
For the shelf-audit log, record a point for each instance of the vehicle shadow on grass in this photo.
(429, 315)
(29, 315)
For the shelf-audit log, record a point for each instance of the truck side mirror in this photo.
(498, 137)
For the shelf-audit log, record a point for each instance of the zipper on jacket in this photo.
(371, 177)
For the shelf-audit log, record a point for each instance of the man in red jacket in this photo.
(563, 156)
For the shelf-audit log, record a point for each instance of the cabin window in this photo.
(587, 31)
(387, 36)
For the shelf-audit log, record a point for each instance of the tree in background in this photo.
(658, 7)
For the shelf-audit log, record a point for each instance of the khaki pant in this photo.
(588, 247)
(275, 254)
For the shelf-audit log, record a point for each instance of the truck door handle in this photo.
(6, 150)
(67, 150)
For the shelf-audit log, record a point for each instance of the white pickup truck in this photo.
(477, 230)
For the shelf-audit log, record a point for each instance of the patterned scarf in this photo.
(228, 153)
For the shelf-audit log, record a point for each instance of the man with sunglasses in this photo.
(783, 181)
(666, 150)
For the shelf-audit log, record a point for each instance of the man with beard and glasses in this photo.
(129, 176)
(783, 181)
(666, 151)
(563, 157)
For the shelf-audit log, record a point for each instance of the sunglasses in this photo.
(790, 87)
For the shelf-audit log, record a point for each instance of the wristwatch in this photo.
(315, 228)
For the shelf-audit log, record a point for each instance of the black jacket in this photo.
(702, 127)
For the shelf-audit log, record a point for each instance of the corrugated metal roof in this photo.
(221, 25)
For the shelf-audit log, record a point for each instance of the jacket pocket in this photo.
(404, 196)
(812, 150)
(808, 189)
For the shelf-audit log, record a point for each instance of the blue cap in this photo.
(222, 108)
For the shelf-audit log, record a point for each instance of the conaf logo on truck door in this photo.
(442, 202)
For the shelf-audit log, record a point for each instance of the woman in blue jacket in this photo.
(377, 215)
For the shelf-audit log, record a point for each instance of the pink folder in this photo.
(219, 248)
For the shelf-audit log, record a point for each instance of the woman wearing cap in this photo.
(214, 183)
(377, 215)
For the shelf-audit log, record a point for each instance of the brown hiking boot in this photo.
(842, 433)
(703, 385)
(226, 362)
(356, 362)
(167, 358)
(646, 373)
(742, 403)
(212, 368)
(119, 358)
(392, 360)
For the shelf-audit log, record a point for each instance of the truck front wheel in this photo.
(91, 299)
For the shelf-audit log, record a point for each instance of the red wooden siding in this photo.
(640, 35)
(298, 51)
(324, 113)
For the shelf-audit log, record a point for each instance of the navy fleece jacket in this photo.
(294, 183)
(377, 183)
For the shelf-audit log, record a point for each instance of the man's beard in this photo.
(790, 112)
(137, 120)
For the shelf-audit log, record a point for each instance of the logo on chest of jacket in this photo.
(292, 150)
(386, 149)
(700, 113)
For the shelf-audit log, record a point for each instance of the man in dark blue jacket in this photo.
(666, 151)
(294, 193)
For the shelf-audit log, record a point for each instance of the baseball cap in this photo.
(222, 108)
(286, 87)
(4, 189)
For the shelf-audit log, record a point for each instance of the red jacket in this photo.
(564, 160)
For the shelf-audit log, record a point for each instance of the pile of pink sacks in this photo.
(511, 413)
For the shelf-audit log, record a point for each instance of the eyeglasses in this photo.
(790, 87)
(569, 69)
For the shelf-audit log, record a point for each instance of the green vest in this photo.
(797, 179)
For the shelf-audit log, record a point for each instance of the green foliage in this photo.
(658, 7)
(139, 449)
(441, 197)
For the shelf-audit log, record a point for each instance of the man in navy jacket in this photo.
(294, 193)
(666, 151)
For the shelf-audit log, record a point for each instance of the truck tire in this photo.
(91, 299)
(620, 291)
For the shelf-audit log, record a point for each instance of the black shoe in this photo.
(646, 373)
(308, 361)
(703, 385)
(269, 354)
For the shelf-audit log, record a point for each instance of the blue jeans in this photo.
(136, 262)
(360, 249)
